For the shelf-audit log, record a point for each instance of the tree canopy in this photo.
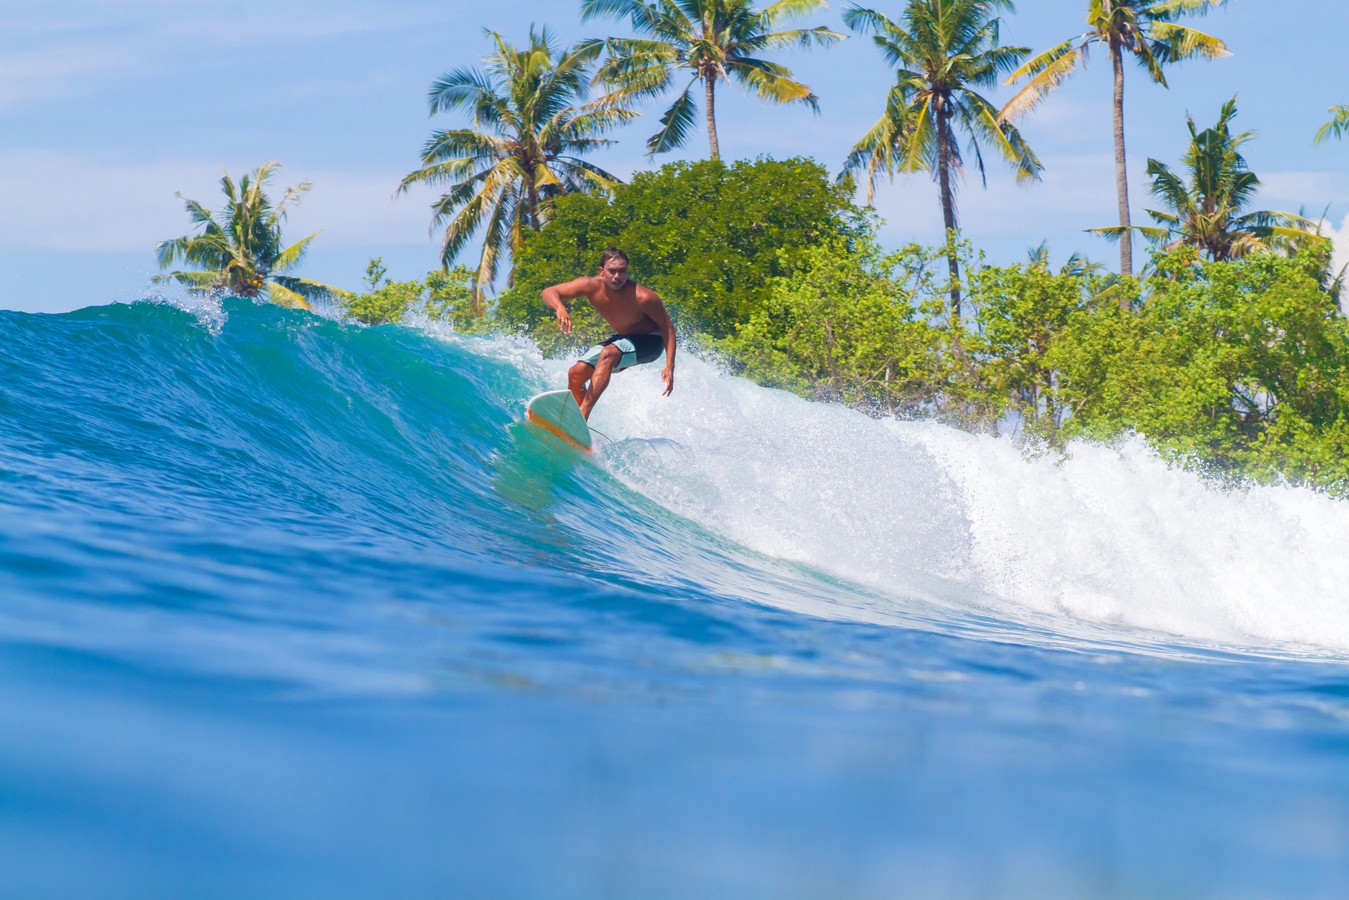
(706, 236)
(523, 150)
(239, 250)
(706, 41)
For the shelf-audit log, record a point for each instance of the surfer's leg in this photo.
(599, 379)
(577, 376)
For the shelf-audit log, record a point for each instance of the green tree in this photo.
(1241, 363)
(705, 235)
(1145, 28)
(711, 41)
(942, 49)
(441, 296)
(1020, 314)
(1338, 126)
(239, 250)
(849, 324)
(522, 152)
(1208, 206)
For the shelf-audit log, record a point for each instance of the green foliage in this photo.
(847, 324)
(942, 50)
(1241, 363)
(239, 250)
(707, 41)
(523, 150)
(440, 296)
(708, 237)
(1338, 126)
(1020, 312)
(1208, 207)
(375, 272)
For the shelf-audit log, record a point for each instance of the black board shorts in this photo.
(637, 349)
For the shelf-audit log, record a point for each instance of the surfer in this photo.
(642, 327)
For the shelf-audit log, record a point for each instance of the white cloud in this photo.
(75, 203)
(1291, 191)
(58, 69)
(264, 23)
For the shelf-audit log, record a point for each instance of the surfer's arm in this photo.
(555, 298)
(651, 305)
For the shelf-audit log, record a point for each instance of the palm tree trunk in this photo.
(948, 210)
(709, 81)
(1126, 247)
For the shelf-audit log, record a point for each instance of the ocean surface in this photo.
(297, 608)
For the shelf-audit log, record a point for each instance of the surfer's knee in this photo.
(579, 373)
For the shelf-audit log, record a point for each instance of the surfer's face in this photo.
(615, 274)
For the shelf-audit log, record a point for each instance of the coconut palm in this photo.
(1145, 28)
(942, 50)
(1207, 206)
(522, 152)
(1077, 265)
(1338, 126)
(710, 41)
(239, 250)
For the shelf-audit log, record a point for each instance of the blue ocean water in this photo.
(291, 607)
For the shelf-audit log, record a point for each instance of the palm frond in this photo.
(675, 124)
(1047, 71)
(1338, 126)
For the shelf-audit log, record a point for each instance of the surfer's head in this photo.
(614, 268)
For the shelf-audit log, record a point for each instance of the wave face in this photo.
(292, 603)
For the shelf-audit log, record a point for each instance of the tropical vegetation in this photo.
(444, 296)
(1207, 207)
(942, 50)
(705, 41)
(1229, 350)
(239, 250)
(524, 149)
(1337, 127)
(707, 236)
(1146, 29)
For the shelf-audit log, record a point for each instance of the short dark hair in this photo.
(611, 253)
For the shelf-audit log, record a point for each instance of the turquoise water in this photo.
(295, 608)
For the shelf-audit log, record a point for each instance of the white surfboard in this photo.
(556, 412)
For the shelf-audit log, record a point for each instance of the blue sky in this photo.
(107, 109)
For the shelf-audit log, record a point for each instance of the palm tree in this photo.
(239, 250)
(942, 49)
(1077, 265)
(1145, 28)
(1207, 206)
(521, 153)
(713, 40)
(1338, 126)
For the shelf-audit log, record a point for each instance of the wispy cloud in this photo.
(78, 204)
(287, 25)
(59, 69)
(1294, 190)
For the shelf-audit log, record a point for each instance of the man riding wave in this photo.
(642, 327)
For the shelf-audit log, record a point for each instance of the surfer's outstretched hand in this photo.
(667, 376)
(564, 320)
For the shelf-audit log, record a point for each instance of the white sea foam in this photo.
(1107, 536)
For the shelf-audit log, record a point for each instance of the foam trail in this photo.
(1107, 537)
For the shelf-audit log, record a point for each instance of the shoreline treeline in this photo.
(1240, 363)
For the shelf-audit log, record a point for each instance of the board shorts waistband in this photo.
(637, 349)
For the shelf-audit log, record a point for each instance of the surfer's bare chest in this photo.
(621, 311)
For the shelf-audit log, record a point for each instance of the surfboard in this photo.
(556, 412)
